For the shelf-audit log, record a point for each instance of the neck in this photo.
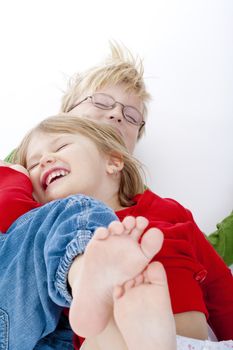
(110, 197)
(108, 193)
(113, 202)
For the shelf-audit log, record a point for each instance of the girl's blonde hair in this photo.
(106, 140)
(119, 68)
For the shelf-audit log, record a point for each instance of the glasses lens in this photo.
(132, 115)
(103, 101)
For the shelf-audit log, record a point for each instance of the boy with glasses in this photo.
(121, 78)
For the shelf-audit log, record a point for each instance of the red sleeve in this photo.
(177, 254)
(15, 196)
(198, 278)
(182, 268)
(217, 286)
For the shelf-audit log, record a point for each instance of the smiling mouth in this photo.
(53, 176)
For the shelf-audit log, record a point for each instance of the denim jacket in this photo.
(36, 254)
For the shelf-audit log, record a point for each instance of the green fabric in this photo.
(9, 158)
(222, 239)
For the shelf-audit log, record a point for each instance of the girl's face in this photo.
(114, 116)
(63, 164)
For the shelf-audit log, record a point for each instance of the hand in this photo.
(16, 167)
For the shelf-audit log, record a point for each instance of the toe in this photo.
(141, 224)
(151, 242)
(101, 233)
(139, 279)
(116, 228)
(118, 292)
(156, 274)
(129, 223)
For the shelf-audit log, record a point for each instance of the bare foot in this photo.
(113, 256)
(143, 313)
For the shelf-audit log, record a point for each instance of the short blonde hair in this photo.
(106, 140)
(119, 67)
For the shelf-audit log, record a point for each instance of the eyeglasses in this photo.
(107, 102)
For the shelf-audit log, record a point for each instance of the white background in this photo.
(187, 47)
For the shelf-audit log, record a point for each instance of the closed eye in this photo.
(33, 166)
(61, 147)
(102, 105)
(130, 119)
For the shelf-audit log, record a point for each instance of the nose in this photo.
(47, 159)
(116, 114)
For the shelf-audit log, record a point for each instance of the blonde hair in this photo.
(105, 139)
(119, 68)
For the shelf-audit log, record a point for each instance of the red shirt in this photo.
(198, 278)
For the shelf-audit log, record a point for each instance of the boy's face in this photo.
(114, 116)
(63, 164)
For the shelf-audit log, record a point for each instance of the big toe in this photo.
(151, 242)
(155, 274)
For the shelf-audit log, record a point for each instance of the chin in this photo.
(52, 194)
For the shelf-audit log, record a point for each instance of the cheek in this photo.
(94, 114)
(86, 111)
(36, 193)
(36, 198)
(35, 184)
(131, 139)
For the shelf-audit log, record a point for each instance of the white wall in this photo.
(187, 48)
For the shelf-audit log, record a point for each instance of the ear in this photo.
(114, 164)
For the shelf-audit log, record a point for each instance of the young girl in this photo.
(39, 247)
(56, 172)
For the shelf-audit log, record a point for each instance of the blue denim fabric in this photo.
(36, 254)
(60, 339)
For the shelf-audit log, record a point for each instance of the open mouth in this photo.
(53, 176)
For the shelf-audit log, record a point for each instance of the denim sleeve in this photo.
(68, 237)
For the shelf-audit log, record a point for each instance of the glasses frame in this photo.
(141, 124)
